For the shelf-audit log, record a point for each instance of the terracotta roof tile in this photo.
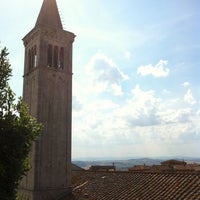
(136, 185)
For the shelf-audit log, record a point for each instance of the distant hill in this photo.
(120, 164)
(123, 165)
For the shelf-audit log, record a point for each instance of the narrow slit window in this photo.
(55, 57)
(49, 56)
(35, 56)
(61, 58)
(29, 59)
(32, 57)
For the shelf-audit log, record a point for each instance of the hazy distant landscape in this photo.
(124, 164)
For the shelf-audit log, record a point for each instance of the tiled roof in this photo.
(136, 185)
(173, 162)
(76, 168)
(102, 168)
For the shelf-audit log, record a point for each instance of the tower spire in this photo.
(49, 15)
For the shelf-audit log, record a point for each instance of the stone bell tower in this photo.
(47, 90)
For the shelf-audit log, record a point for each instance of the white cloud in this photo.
(105, 74)
(140, 110)
(165, 91)
(142, 118)
(158, 70)
(175, 115)
(76, 104)
(142, 121)
(128, 55)
(188, 97)
(185, 84)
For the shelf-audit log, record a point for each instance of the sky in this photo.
(136, 68)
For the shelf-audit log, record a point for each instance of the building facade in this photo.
(47, 90)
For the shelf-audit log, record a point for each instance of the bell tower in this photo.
(47, 89)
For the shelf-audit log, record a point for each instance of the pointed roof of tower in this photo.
(49, 15)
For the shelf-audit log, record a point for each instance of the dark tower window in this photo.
(55, 57)
(49, 55)
(61, 58)
(32, 58)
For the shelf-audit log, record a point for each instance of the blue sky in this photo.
(136, 73)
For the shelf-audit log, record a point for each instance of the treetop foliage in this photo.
(18, 130)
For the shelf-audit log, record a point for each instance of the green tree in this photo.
(17, 132)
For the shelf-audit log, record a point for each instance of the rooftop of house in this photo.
(76, 168)
(173, 162)
(102, 167)
(135, 185)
